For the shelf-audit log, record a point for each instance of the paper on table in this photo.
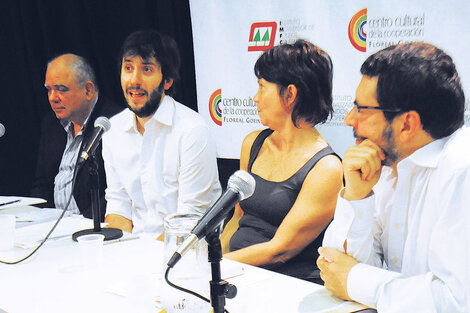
(23, 201)
(30, 237)
(322, 301)
(28, 215)
(39, 215)
(231, 269)
(142, 291)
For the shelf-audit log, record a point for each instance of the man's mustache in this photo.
(137, 89)
(356, 136)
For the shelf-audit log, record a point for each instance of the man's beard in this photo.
(390, 151)
(152, 104)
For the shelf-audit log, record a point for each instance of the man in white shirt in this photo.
(159, 157)
(399, 238)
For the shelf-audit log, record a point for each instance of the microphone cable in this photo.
(167, 271)
(53, 227)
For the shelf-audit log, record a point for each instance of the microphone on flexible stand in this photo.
(102, 125)
(240, 186)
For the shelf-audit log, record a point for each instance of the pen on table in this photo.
(119, 240)
(9, 202)
(19, 220)
(54, 238)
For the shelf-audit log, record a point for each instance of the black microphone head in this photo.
(103, 122)
(2, 130)
(243, 183)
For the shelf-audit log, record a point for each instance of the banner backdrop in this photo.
(229, 36)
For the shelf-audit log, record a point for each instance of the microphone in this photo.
(240, 186)
(102, 125)
(2, 130)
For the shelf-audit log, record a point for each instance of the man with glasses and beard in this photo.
(399, 238)
(159, 157)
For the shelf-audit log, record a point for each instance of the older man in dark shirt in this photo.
(74, 98)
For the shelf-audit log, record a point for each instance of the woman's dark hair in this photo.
(419, 77)
(309, 69)
(150, 43)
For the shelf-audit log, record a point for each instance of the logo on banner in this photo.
(356, 30)
(262, 36)
(215, 110)
(234, 110)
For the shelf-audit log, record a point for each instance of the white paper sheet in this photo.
(7, 202)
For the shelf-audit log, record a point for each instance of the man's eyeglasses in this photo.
(360, 107)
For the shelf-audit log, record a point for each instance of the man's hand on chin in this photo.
(335, 266)
(362, 166)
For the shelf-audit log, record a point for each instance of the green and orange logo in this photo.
(356, 30)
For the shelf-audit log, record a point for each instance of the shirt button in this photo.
(359, 213)
(397, 226)
(394, 260)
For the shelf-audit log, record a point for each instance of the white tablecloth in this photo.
(54, 280)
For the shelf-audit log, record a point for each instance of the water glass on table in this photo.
(91, 251)
(192, 270)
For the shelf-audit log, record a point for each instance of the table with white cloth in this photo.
(130, 279)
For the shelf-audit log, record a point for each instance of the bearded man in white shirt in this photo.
(399, 238)
(159, 157)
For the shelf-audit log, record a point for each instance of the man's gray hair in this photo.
(80, 68)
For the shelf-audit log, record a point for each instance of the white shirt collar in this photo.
(163, 115)
(428, 156)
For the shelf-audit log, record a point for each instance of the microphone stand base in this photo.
(109, 233)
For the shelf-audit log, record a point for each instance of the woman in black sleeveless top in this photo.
(298, 176)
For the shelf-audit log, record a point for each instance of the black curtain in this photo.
(33, 31)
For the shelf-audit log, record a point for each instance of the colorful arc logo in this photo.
(356, 30)
(215, 110)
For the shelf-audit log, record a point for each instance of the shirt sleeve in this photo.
(198, 182)
(443, 284)
(118, 200)
(355, 222)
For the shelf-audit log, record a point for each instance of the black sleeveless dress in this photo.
(266, 209)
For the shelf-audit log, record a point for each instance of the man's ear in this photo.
(168, 84)
(90, 90)
(409, 124)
